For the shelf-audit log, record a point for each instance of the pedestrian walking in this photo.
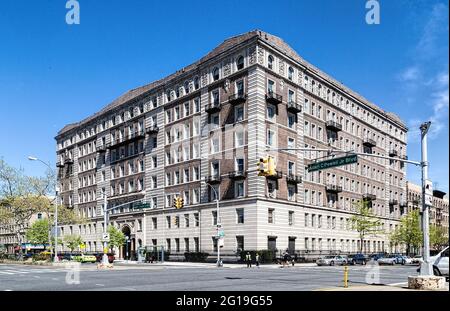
(248, 259)
(257, 260)
(285, 258)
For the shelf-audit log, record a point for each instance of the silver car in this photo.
(440, 263)
(332, 260)
(389, 260)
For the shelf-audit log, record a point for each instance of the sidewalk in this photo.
(377, 288)
(204, 264)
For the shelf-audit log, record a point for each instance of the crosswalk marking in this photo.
(4, 272)
(36, 271)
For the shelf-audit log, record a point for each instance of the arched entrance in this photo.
(129, 247)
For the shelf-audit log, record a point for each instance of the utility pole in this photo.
(105, 230)
(427, 201)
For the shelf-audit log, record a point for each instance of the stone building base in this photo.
(426, 282)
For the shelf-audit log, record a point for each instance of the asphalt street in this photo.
(131, 278)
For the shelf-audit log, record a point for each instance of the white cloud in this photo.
(409, 74)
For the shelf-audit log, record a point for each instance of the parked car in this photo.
(400, 259)
(406, 260)
(357, 259)
(440, 263)
(389, 260)
(417, 260)
(332, 260)
(85, 258)
(375, 257)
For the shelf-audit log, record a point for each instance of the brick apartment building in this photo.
(203, 129)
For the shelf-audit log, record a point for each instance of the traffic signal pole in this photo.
(426, 268)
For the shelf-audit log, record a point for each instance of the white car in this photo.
(332, 260)
(440, 263)
(389, 260)
(407, 260)
(417, 260)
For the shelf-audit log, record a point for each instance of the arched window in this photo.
(215, 74)
(240, 63)
(186, 87)
(290, 73)
(270, 62)
(196, 83)
(177, 91)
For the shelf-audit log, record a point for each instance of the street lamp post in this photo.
(31, 158)
(105, 230)
(218, 224)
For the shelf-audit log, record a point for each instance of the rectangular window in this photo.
(239, 189)
(240, 215)
(270, 218)
(239, 113)
(291, 218)
(239, 242)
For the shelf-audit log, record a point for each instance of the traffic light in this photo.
(263, 168)
(178, 202)
(271, 167)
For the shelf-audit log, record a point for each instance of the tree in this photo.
(73, 241)
(38, 232)
(408, 232)
(116, 237)
(438, 237)
(365, 222)
(23, 196)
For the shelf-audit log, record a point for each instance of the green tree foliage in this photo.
(38, 232)
(73, 241)
(438, 237)
(116, 237)
(365, 222)
(408, 232)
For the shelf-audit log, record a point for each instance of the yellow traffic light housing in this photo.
(178, 203)
(271, 167)
(263, 169)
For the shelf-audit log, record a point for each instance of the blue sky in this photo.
(52, 73)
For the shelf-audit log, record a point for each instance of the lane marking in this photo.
(100, 284)
(128, 288)
(4, 272)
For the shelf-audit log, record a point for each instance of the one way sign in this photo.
(106, 237)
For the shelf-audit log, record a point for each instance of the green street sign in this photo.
(332, 163)
(141, 205)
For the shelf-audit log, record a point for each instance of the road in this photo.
(148, 277)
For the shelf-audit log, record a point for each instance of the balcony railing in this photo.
(213, 179)
(369, 197)
(333, 126)
(369, 142)
(59, 164)
(393, 202)
(277, 175)
(101, 148)
(294, 107)
(152, 129)
(274, 98)
(127, 138)
(333, 188)
(213, 107)
(237, 174)
(237, 99)
(393, 153)
(68, 161)
(403, 204)
(293, 179)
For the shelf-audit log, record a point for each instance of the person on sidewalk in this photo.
(248, 259)
(257, 260)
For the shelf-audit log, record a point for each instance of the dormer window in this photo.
(270, 62)
(215, 74)
(240, 63)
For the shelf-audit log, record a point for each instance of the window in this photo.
(240, 215)
(196, 83)
(168, 222)
(196, 219)
(270, 218)
(240, 242)
(240, 164)
(291, 143)
(291, 218)
(270, 86)
(270, 62)
(215, 74)
(186, 220)
(291, 193)
(240, 62)
(240, 87)
(238, 113)
(239, 189)
(196, 105)
(291, 120)
(155, 223)
(271, 111)
(271, 189)
(290, 73)
(270, 137)
(239, 139)
(214, 218)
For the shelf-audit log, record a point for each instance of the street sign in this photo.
(221, 242)
(141, 205)
(428, 192)
(332, 163)
(220, 233)
(105, 237)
